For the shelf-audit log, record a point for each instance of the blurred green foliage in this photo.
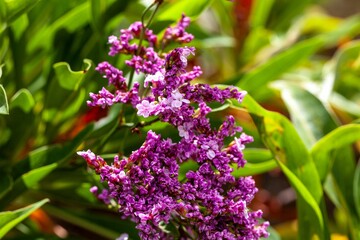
(300, 66)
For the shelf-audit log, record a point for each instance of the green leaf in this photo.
(15, 8)
(338, 138)
(68, 79)
(279, 135)
(258, 160)
(257, 155)
(310, 117)
(281, 138)
(273, 68)
(4, 106)
(65, 96)
(23, 100)
(10, 219)
(305, 200)
(174, 10)
(71, 21)
(28, 172)
(251, 169)
(260, 13)
(279, 64)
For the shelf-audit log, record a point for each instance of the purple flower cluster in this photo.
(206, 202)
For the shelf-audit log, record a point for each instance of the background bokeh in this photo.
(298, 59)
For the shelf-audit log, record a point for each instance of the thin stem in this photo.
(142, 34)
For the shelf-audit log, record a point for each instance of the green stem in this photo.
(142, 34)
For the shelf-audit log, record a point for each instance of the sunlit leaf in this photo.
(72, 20)
(306, 199)
(260, 12)
(287, 59)
(278, 64)
(251, 169)
(68, 78)
(281, 138)
(257, 155)
(10, 219)
(23, 100)
(336, 139)
(174, 10)
(15, 8)
(310, 117)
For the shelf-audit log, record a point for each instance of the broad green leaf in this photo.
(257, 155)
(340, 137)
(281, 138)
(279, 64)
(260, 12)
(23, 100)
(284, 12)
(15, 8)
(70, 21)
(287, 59)
(334, 155)
(98, 8)
(4, 106)
(285, 144)
(251, 169)
(305, 200)
(64, 96)
(68, 79)
(310, 117)
(258, 160)
(174, 10)
(318, 22)
(19, 26)
(75, 106)
(312, 121)
(10, 219)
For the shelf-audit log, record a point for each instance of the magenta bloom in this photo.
(205, 203)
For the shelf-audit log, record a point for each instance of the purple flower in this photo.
(114, 75)
(145, 108)
(178, 32)
(206, 202)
